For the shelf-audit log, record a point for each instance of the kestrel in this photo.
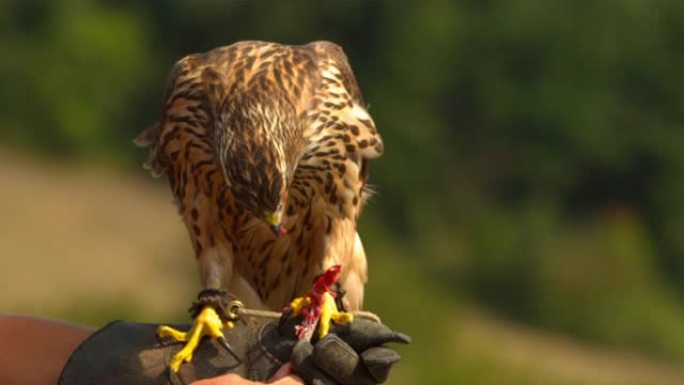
(266, 148)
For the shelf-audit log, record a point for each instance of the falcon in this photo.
(266, 149)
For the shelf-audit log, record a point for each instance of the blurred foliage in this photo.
(533, 156)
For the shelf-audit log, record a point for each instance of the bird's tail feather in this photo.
(148, 138)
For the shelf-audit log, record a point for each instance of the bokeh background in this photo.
(530, 217)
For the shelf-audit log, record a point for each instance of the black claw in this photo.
(339, 297)
(229, 348)
(284, 317)
(173, 377)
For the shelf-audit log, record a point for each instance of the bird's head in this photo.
(275, 221)
(258, 176)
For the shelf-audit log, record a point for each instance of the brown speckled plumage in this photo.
(256, 127)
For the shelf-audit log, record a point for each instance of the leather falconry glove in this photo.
(129, 353)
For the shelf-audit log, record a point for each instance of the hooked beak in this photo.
(273, 221)
(278, 230)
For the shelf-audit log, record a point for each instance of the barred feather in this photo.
(256, 127)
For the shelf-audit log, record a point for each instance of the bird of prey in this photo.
(266, 149)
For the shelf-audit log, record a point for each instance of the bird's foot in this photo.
(213, 312)
(340, 300)
(207, 323)
(330, 312)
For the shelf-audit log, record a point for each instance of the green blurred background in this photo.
(530, 217)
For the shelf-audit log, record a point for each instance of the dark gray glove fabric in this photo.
(129, 353)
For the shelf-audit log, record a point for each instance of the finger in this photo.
(226, 379)
(289, 380)
(363, 334)
(378, 362)
(284, 371)
(285, 376)
(305, 367)
(335, 358)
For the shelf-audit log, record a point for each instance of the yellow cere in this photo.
(272, 219)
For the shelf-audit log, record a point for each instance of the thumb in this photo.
(285, 375)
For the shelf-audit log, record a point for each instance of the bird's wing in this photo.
(151, 137)
(329, 184)
(181, 143)
(342, 135)
(357, 276)
(182, 147)
(332, 173)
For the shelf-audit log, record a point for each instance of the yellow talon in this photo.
(330, 312)
(207, 323)
(171, 333)
(298, 304)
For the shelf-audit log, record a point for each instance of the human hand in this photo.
(353, 354)
(125, 352)
(284, 376)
